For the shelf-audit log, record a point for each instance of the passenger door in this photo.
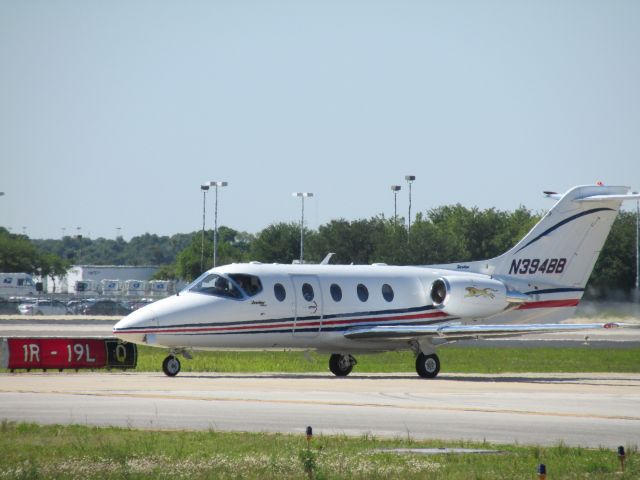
(307, 320)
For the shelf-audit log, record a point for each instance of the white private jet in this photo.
(349, 309)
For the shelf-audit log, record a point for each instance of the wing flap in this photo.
(453, 332)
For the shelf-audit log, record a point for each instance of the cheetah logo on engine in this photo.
(480, 292)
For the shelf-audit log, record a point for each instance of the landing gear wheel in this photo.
(427, 366)
(171, 366)
(341, 365)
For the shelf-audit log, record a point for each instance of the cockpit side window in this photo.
(250, 284)
(214, 284)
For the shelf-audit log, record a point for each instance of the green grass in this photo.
(79, 452)
(453, 359)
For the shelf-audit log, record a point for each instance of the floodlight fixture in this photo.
(395, 189)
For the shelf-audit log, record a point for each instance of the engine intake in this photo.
(467, 296)
(438, 291)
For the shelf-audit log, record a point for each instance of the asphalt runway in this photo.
(578, 409)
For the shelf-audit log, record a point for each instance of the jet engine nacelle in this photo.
(466, 296)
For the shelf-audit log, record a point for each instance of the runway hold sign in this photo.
(63, 353)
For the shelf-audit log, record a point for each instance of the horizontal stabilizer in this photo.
(397, 332)
(604, 198)
(553, 195)
(597, 198)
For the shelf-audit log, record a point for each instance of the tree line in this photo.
(446, 234)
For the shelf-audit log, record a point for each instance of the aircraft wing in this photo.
(458, 332)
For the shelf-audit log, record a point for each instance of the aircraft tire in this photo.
(171, 366)
(340, 365)
(428, 366)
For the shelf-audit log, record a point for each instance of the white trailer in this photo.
(135, 288)
(16, 285)
(111, 288)
(85, 288)
(161, 288)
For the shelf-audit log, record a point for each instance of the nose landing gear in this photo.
(171, 364)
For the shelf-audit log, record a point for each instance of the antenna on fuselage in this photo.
(325, 260)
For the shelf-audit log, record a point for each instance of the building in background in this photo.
(111, 280)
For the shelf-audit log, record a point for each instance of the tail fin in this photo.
(563, 247)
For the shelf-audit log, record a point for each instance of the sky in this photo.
(113, 113)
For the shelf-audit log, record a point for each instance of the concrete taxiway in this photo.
(577, 409)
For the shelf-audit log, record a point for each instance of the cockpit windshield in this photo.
(214, 284)
(236, 286)
(250, 284)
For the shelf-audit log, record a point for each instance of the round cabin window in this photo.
(307, 292)
(336, 292)
(387, 292)
(363, 293)
(279, 292)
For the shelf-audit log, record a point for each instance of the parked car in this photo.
(43, 307)
(8, 307)
(76, 307)
(106, 307)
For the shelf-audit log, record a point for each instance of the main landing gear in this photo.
(171, 366)
(427, 366)
(341, 365)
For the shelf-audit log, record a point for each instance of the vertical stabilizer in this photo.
(563, 247)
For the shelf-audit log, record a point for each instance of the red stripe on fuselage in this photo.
(550, 304)
(300, 324)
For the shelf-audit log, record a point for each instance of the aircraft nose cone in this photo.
(136, 325)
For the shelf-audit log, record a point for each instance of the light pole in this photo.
(204, 187)
(395, 189)
(79, 238)
(638, 249)
(215, 221)
(409, 179)
(302, 196)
